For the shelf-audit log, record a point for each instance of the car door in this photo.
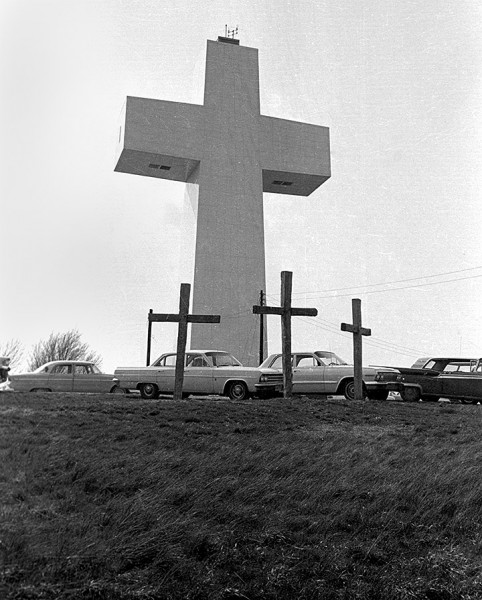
(61, 378)
(198, 374)
(308, 374)
(461, 383)
(162, 373)
(86, 380)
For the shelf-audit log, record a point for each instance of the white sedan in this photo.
(324, 372)
(206, 372)
(65, 376)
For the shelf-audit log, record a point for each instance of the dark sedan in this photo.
(434, 378)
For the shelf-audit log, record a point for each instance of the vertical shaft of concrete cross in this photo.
(230, 229)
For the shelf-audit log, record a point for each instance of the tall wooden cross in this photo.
(183, 318)
(286, 311)
(232, 153)
(358, 331)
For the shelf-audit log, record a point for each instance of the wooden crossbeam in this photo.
(358, 332)
(183, 318)
(286, 311)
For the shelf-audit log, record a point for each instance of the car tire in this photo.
(349, 390)
(118, 390)
(149, 391)
(38, 390)
(238, 391)
(410, 394)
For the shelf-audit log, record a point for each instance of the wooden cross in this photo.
(183, 318)
(286, 311)
(358, 331)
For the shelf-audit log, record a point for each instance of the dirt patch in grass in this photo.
(116, 497)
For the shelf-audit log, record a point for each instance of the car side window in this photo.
(278, 362)
(80, 370)
(196, 361)
(167, 361)
(61, 369)
(457, 367)
(304, 361)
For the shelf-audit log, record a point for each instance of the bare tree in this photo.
(62, 346)
(13, 350)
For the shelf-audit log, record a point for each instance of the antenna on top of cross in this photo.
(230, 33)
(228, 37)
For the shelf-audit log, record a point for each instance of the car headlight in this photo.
(263, 379)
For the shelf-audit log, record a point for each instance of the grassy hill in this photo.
(106, 497)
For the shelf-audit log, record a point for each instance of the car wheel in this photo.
(410, 394)
(238, 391)
(118, 390)
(38, 390)
(378, 395)
(349, 390)
(149, 391)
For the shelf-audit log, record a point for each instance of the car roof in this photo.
(198, 351)
(68, 362)
(456, 359)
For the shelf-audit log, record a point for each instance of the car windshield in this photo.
(223, 359)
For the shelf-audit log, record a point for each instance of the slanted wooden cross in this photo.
(358, 331)
(286, 311)
(183, 318)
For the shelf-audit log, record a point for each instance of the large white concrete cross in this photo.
(234, 154)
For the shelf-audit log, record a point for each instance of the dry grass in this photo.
(105, 497)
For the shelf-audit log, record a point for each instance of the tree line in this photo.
(58, 346)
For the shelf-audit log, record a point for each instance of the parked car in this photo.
(324, 372)
(206, 372)
(433, 378)
(65, 376)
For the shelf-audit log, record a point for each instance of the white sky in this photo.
(397, 82)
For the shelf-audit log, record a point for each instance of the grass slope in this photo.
(105, 497)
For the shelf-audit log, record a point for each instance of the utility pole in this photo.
(149, 333)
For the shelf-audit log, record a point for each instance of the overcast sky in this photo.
(398, 224)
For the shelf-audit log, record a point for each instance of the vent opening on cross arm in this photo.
(276, 182)
(165, 168)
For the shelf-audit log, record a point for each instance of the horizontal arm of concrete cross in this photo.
(294, 157)
(156, 134)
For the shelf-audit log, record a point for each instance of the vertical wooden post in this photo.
(357, 349)
(181, 339)
(286, 287)
(149, 332)
(261, 329)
